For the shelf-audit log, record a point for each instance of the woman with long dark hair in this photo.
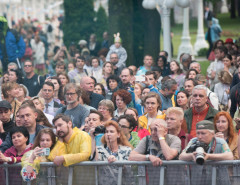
(163, 65)
(177, 73)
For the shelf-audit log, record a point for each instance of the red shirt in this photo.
(197, 116)
(185, 138)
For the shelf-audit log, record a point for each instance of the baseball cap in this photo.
(5, 104)
(205, 124)
(228, 41)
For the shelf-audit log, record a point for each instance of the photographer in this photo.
(96, 129)
(215, 148)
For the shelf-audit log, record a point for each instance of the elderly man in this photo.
(87, 84)
(157, 147)
(175, 119)
(126, 77)
(216, 148)
(200, 110)
(196, 66)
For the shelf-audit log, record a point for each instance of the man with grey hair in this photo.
(157, 147)
(196, 66)
(185, 60)
(215, 148)
(200, 109)
(12, 65)
(74, 110)
(166, 92)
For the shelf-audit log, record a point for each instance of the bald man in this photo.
(87, 84)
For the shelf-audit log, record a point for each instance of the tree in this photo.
(120, 20)
(78, 21)
(101, 23)
(139, 28)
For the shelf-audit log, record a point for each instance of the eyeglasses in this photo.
(27, 65)
(123, 126)
(70, 94)
(104, 109)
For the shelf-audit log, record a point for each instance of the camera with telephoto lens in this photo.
(99, 130)
(200, 148)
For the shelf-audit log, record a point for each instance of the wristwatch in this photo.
(161, 138)
(147, 157)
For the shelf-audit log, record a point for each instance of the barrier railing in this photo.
(129, 172)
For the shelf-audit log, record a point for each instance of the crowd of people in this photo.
(90, 105)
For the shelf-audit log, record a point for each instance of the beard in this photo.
(62, 134)
(71, 102)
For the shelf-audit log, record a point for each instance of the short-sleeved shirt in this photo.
(77, 115)
(34, 84)
(147, 146)
(220, 145)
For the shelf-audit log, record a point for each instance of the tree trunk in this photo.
(233, 9)
(152, 25)
(120, 20)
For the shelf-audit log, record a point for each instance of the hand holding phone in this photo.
(44, 152)
(140, 78)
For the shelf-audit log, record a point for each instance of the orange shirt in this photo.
(197, 116)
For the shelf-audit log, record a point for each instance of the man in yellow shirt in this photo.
(74, 144)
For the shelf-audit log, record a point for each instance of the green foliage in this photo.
(101, 23)
(202, 52)
(78, 21)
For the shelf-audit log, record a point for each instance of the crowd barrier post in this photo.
(162, 171)
(119, 175)
(141, 175)
(6, 171)
(96, 175)
(70, 175)
(214, 175)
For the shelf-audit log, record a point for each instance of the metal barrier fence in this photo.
(129, 173)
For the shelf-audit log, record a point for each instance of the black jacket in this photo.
(6, 127)
(8, 141)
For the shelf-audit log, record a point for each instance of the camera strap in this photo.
(213, 145)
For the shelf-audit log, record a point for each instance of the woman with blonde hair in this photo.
(152, 106)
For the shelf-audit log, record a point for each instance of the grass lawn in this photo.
(230, 27)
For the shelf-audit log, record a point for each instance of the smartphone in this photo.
(45, 152)
(140, 78)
